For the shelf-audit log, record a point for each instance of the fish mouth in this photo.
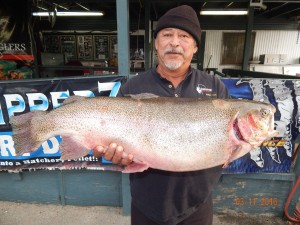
(237, 131)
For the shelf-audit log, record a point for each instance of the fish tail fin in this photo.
(24, 139)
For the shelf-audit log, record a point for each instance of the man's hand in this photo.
(114, 153)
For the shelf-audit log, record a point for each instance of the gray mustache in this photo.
(176, 51)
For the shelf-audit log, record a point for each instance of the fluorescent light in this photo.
(67, 13)
(224, 12)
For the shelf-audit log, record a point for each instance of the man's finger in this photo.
(98, 151)
(127, 160)
(110, 152)
(117, 158)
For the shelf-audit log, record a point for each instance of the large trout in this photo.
(171, 134)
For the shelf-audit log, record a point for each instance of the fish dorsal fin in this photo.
(143, 96)
(221, 104)
(73, 98)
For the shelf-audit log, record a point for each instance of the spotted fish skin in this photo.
(164, 133)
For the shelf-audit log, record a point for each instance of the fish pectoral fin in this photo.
(136, 167)
(72, 148)
(237, 152)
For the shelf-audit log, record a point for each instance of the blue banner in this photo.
(274, 155)
(19, 97)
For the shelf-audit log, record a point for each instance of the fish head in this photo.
(255, 123)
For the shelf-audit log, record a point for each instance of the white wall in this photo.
(266, 42)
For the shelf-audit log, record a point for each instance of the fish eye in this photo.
(264, 112)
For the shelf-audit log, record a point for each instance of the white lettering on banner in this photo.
(105, 86)
(43, 160)
(54, 148)
(6, 163)
(35, 98)
(84, 93)
(109, 86)
(6, 146)
(2, 122)
(51, 146)
(56, 96)
(11, 108)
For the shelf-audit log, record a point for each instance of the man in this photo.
(162, 197)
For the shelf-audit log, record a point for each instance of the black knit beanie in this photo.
(182, 17)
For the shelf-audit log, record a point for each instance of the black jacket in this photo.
(169, 197)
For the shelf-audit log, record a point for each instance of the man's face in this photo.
(175, 48)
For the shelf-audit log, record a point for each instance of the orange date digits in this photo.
(258, 202)
(239, 201)
(269, 202)
(252, 201)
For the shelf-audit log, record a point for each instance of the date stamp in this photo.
(256, 202)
